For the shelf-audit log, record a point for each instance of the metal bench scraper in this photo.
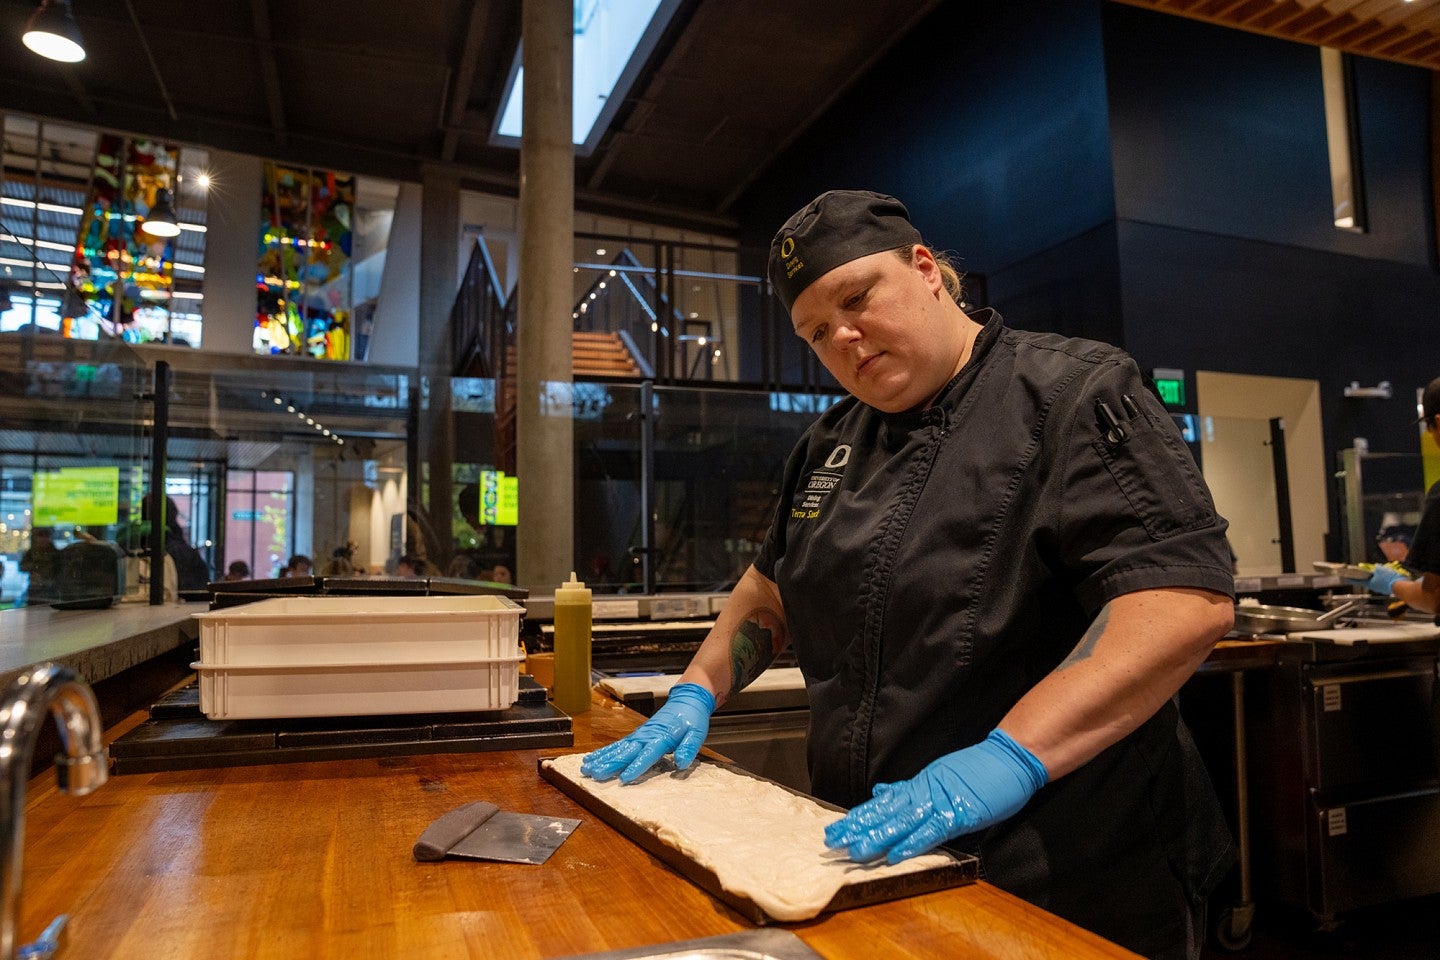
(482, 831)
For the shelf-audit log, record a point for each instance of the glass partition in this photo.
(308, 460)
(710, 463)
(73, 470)
(711, 466)
(268, 462)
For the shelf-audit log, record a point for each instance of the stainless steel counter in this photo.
(97, 644)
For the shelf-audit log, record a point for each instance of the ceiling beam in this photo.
(150, 57)
(269, 69)
(463, 80)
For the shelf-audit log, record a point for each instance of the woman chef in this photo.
(997, 564)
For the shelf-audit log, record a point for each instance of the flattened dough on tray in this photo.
(760, 840)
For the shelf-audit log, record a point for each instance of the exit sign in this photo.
(1170, 384)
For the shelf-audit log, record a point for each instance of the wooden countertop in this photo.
(313, 860)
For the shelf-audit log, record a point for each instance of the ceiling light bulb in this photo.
(160, 221)
(53, 33)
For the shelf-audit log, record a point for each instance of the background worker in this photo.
(1421, 592)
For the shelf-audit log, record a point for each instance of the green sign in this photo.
(499, 499)
(1172, 392)
(76, 496)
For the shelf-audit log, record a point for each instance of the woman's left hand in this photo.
(960, 793)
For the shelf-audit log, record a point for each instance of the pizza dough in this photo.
(760, 840)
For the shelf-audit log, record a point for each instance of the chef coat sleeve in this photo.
(1130, 509)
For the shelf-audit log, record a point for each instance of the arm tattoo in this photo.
(753, 646)
(1087, 643)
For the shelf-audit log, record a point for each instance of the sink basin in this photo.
(764, 944)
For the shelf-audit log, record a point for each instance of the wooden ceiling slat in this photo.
(1245, 14)
(1404, 32)
(1288, 15)
(1374, 9)
(1424, 20)
(1413, 15)
(1328, 28)
(1377, 37)
(1218, 8)
(1364, 36)
(1428, 51)
(1307, 21)
(1402, 47)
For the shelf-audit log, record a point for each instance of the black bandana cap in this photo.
(836, 227)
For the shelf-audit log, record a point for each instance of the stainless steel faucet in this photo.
(80, 769)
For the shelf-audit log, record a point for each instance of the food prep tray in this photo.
(336, 656)
(962, 869)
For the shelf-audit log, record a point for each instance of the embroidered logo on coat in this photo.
(820, 484)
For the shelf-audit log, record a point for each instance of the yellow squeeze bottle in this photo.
(572, 646)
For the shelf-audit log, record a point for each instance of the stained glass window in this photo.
(74, 257)
(304, 276)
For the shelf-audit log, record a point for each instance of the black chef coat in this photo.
(1424, 555)
(935, 565)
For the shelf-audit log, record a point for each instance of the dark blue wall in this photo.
(1228, 255)
(989, 122)
(1223, 131)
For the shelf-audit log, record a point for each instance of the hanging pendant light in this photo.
(52, 32)
(160, 221)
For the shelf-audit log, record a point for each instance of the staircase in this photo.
(602, 354)
(595, 354)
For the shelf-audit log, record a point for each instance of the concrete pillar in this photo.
(231, 252)
(546, 460)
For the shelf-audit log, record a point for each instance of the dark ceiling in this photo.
(388, 88)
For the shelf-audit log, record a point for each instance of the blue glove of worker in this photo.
(1382, 580)
(960, 793)
(679, 725)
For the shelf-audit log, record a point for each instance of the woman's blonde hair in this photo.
(949, 275)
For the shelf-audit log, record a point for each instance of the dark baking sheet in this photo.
(962, 870)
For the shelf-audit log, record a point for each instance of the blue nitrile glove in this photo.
(1383, 580)
(960, 793)
(679, 725)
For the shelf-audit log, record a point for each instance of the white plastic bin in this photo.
(358, 656)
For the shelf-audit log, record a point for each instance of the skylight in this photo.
(613, 38)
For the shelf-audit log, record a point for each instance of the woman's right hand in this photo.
(679, 726)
